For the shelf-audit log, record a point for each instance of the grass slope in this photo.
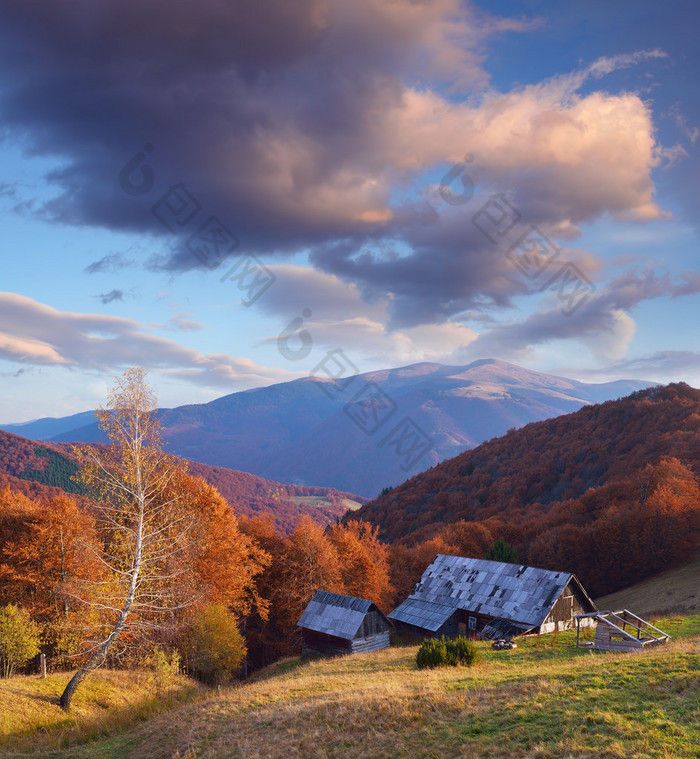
(673, 591)
(545, 699)
(108, 702)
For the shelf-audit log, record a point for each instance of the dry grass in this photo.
(107, 702)
(546, 699)
(672, 591)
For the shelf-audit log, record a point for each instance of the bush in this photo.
(218, 646)
(432, 653)
(438, 652)
(164, 669)
(19, 639)
(463, 651)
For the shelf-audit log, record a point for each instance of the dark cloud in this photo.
(111, 296)
(109, 264)
(293, 124)
(231, 95)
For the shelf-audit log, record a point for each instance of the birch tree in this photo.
(142, 526)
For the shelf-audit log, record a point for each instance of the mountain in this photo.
(358, 434)
(43, 470)
(48, 427)
(609, 492)
(546, 462)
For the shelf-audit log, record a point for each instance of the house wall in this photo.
(372, 643)
(373, 634)
(562, 615)
(470, 623)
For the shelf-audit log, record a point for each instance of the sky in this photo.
(234, 194)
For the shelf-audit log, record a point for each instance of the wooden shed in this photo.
(333, 624)
(620, 631)
(491, 599)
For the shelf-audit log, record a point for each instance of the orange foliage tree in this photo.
(43, 570)
(364, 561)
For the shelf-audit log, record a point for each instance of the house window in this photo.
(472, 623)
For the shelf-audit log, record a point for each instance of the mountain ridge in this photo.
(315, 431)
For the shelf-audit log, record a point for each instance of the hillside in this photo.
(312, 432)
(609, 492)
(545, 463)
(41, 470)
(545, 699)
(676, 590)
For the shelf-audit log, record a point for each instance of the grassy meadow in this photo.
(544, 699)
(107, 703)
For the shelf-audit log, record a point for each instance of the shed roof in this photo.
(497, 589)
(335, 614)
(419, 613)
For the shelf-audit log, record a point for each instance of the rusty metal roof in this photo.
(335, 614)
(497, 589)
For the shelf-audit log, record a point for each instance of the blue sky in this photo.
(310, 145)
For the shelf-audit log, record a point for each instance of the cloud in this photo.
(272, 122)
(111, 296)
(334, 315)
(607, 64)
(669, 365)
(36, 334)
(659, 366)
(109, 264)
(181, 323)
(602, 323)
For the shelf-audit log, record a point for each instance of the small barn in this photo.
(333, 624)
(491, 599)
(620, 631)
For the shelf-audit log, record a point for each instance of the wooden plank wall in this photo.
(373, 643)
(608, 638)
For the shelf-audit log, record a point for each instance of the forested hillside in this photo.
(37, 469)
(609, 492)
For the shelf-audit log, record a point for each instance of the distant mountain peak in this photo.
(298, 432)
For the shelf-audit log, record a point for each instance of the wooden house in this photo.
(620, 631)
(490, 599)
(333, 624)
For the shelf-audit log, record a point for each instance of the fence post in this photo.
(42, 665)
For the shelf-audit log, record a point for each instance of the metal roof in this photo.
(497, 589)
(335, 614)
(429, 616)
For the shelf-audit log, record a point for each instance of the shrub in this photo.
(218, 646)
(164, 670)
(19, 639)
(432, 653)
(462, 650)
(438, 652)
